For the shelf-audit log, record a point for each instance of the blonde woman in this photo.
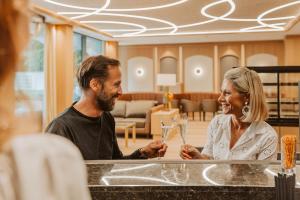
(240, 133)
(32, 166)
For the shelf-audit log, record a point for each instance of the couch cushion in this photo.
(119, 109)
(139, 122)
(138, 109)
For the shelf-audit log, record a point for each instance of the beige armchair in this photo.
(209, 105)
(191, 106)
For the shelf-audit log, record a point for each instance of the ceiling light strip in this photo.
(69, 6)
(93, 13)
(260, 17)
(261, 26)
(171, 25)
(142, 28)
(200, 33)
(119, 10)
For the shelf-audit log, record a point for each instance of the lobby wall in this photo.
(212, 75)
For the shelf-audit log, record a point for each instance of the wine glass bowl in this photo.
(182, 124)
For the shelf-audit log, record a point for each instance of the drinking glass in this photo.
(288, 154)
(181, 173)
(164, 132)
(182, 124)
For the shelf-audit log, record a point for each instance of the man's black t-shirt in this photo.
(94, 136)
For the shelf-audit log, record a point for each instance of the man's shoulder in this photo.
(61, 120)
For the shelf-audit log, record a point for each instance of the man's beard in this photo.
(104, 102)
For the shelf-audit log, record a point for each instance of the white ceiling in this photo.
(173, 21)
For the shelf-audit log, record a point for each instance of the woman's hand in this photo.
(189, 152)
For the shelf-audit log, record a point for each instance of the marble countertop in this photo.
(178, 173)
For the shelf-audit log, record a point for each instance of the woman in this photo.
(240, 133)
(32, 166)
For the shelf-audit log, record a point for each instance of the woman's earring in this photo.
(245, 109)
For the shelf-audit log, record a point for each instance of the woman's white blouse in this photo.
(258, 142)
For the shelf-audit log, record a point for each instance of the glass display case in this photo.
(162, 179)
(281, 91)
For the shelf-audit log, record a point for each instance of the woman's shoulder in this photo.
(266, 129)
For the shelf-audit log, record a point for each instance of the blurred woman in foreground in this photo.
(32, 166)
(240, 133)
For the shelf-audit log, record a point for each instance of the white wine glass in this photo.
(183, 124)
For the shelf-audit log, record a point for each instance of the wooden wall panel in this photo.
(232, 49)
(111, 49)
(166, 51)
(275, 48)
(292, 53)
(198, 49)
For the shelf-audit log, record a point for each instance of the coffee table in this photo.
(125, 126)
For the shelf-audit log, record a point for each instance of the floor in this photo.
(196, 136)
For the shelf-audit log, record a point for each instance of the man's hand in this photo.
(189, 152)
(154, 149)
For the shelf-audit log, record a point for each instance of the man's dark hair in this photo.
(94, 67)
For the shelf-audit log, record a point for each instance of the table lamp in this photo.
(166, 80)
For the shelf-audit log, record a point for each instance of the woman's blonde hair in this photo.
(14, 34)
(247, 81)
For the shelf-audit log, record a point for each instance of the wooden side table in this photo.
(125, 126)
(166, 117)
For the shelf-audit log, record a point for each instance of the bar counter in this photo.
(161, 179)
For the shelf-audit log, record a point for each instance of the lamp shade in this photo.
(166, 79)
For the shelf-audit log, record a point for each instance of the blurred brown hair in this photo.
(14, 34)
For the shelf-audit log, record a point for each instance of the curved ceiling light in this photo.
(142, 28)
(200, 33)
(261, 26)
(172, 25)
(93, 13)
(232, 8)
(138, 32)
(69, 6)
(118, 10)
(260, 17)
(203, 12)
(148, 8)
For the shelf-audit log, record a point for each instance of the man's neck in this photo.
(88, 107)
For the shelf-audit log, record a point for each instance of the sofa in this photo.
(138, 111)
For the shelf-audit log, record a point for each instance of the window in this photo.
(93, 46)
(84, 47)
(30, 78)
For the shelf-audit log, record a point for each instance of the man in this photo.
(88, 123)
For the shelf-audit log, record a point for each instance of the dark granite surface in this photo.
(183, 180)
